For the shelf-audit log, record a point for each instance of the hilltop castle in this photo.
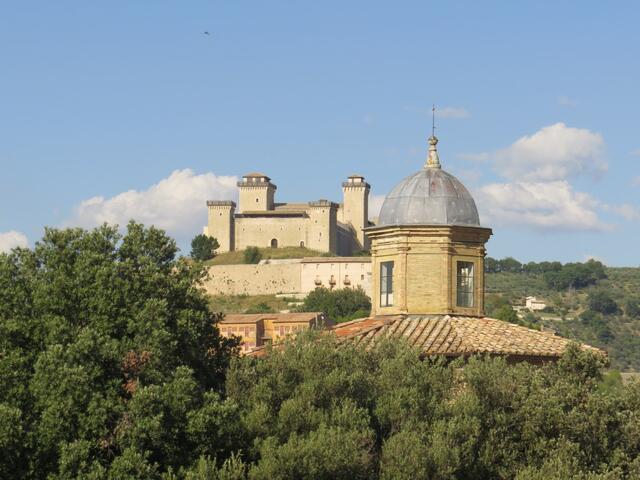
(319, 225)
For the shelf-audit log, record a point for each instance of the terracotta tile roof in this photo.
(303, 317)
(457, 336)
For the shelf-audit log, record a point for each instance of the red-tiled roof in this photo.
(457, 336)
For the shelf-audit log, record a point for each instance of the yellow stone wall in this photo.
(265, 279)
(424, 276)
(259, 231)
(296, 276)
(220, 224)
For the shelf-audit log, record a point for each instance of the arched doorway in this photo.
(302, 244)
(274, 243)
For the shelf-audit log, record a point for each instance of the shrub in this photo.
(340, 305)
(261, 307)
(632, 307)
(252, 255)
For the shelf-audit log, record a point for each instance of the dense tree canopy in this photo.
(314, 410)
(203, 247)
(110, 361)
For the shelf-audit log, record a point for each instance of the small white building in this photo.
(533, 304)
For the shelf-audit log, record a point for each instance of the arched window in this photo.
(274, 243)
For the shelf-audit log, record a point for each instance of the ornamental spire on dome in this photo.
(433, 161)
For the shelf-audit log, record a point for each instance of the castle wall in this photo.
(296, 276)
(265, 279)
(221, 224)
(259, 231)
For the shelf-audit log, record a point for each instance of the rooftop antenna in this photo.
(432, 160)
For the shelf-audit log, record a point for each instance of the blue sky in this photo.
(111, 110)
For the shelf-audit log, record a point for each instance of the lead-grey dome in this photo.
(429, 197)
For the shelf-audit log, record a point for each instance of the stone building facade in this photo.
(260, 329)
(319, 225)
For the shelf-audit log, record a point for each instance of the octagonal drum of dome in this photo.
(429, 197)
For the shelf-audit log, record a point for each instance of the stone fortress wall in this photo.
(290, 277)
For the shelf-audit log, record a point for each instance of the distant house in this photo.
(533, 304)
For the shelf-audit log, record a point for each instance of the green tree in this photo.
(507, 314)
(203, 247)
(602, 301)
(107, 349)
(252, 255)
(511, 265)
(340, 305)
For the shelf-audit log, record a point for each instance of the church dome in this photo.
(429, 197)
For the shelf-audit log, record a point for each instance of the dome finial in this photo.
(432, 160)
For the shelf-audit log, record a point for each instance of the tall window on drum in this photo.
(465, 284)
(386, 284)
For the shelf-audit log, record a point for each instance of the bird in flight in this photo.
(206, 33)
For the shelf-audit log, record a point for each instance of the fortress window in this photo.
(386, 284)
(464, 290)
(257, 200)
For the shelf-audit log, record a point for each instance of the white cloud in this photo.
(552, 153)
(566, 101)
(542, 205)
(375, 204)
(12, 239)
(176, 203)
(452, 112)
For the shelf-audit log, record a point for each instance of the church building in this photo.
(320, 225)
(427, 265)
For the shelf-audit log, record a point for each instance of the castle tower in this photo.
(356, 209)
(428, 247)
(256, 193)
(221, 223)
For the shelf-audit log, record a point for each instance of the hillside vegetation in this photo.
(587, 302)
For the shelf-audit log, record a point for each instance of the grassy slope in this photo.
(623, 348)
(236, 257)
(243, 303)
